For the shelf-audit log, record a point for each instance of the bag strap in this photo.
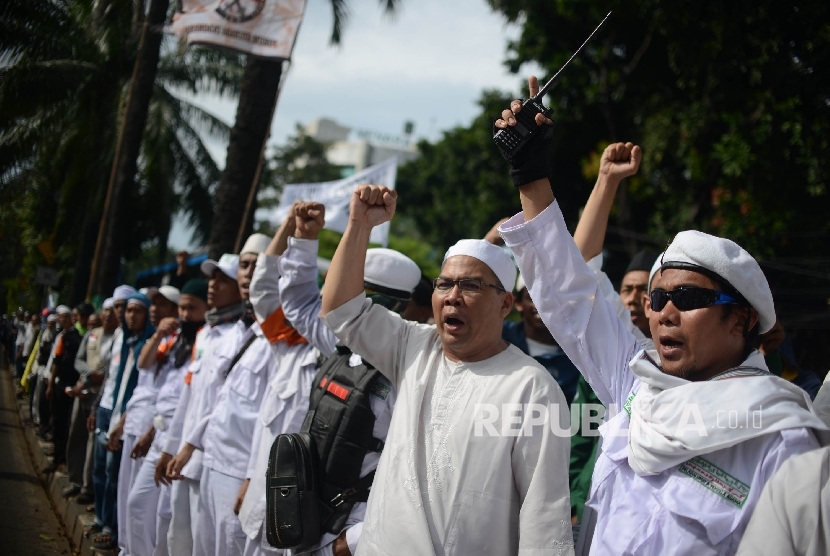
(240, 354)
(359, 491)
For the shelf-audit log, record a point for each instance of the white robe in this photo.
(793, 514)
(701, 506)
(441, 486)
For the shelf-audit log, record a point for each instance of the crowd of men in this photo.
(484, 433)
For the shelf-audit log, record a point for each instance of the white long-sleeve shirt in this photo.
(285, 402)
(142, 405)
(607, 290)
(446, 484)
(301, 304)
(793, 515)
(700, 507)
(208, 356)
(230, 406)
(108, 395)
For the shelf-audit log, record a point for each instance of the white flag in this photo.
(265, 28)
(335, 195)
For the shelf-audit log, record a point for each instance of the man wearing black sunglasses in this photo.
(703, 423)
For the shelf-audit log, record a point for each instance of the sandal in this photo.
(104, 541)
(91, 529)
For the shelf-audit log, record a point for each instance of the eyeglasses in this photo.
(689, 298)
(466, 285)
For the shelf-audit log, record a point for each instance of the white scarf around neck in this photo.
(674, 420)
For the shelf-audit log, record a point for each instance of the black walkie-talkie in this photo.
(511, 140)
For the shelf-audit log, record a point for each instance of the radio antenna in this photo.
(552, 81)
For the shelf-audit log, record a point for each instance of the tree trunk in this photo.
(258, 93)
(114, 228)
(86, 247)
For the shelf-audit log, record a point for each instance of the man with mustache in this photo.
(467, 469)
(675, 474)
(227, 417)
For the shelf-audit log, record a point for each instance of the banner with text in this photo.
(265, 28)
(335, 195)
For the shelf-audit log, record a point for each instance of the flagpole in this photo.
(240, 235)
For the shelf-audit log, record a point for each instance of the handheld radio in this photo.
(511, 140)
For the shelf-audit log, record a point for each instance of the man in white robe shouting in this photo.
(684, 463)
(471, 464)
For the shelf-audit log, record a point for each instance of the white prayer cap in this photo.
(51, 318)
(654, 268)
(391, 270)
(63, 310)
(726, 261)
(520, 283)
(495, 257)
(256, 244)
(227, 263)
(108, 303)
(168, 292)
(122, 293)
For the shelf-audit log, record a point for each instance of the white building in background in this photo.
(355, 150)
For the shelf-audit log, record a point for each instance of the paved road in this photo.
(28, 525)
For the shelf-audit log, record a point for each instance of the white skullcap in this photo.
(63, 310)
(520, 283)
(227, 263)
(108, 303)
(390, 269)
(122, 293)
(654, 268)
(256, 244)
(495, 257)
(728, 261)
(168, 292)
(51, 318)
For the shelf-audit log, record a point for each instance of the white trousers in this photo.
(219, 529)
(184, 512)
(127, 473)
(163, 511)
(143, 508)
(260, 547)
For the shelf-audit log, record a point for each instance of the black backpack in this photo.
(313, 477)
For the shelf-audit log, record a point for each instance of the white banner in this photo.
(335, 195)
(265, 28)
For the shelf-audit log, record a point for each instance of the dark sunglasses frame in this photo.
(394, 304)
(460, 285)
(689, 298)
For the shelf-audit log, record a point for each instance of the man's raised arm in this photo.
(371, 205)
(299, 293)
(560, 283)
(372, 331)
(619, 161)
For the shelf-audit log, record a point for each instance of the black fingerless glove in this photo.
(531, 162)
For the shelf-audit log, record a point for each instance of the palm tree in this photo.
(257, 97)
(64, 68)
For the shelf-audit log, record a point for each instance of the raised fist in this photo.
(372, 205)
(309, 219)
(620, 160)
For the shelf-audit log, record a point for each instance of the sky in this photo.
(428, 64)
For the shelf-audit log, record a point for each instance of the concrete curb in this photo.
(74, 515)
